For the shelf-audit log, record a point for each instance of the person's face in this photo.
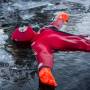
(23, 28)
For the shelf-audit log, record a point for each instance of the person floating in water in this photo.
(47, 41)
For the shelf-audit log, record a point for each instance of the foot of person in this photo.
(46, 77)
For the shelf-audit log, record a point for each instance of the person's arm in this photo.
(60, 19)
(57, 23)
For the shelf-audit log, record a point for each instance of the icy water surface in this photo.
(18, 68)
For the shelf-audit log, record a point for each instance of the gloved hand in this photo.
(60, 19)
(62, 16)
(46, 77)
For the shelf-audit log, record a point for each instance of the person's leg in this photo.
(45, 63)
(76, 43)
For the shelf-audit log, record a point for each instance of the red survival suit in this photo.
(49, 40)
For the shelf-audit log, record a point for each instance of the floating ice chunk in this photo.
(84, 26)
(6, 57)
(3, 37)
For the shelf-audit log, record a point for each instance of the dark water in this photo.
(18, 68)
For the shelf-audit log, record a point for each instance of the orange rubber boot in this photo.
(46, 77)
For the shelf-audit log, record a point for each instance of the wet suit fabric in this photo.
(50, 40)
